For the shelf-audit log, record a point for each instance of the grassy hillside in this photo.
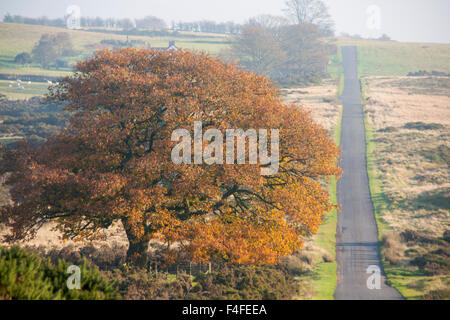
(380, 58)
(11, 90)
(391, 58)
(16, 38)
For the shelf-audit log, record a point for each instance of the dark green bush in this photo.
(25, 276)
(423, 126)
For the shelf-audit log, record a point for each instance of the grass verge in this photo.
(375, 186)
(323, 279)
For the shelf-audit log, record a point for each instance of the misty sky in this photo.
(403, 20)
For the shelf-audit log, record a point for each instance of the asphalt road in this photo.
(357, 234)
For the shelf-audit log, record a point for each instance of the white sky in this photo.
(404, 20)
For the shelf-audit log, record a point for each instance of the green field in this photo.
(391, 58)
(17, 38)
(325, 273)
(12, 91)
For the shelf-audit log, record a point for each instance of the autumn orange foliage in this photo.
(113, 161)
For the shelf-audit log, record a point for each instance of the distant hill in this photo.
(17, 38)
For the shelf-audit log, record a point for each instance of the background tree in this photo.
(310, 12)
(257, 48)
(113, 163)
(45, 52)
(384, 37)
(288, 54)
(268, 21)
(23, 58)
(51, 47)
(126, 24)
(63, 44)
(151, 22)
(305, 55)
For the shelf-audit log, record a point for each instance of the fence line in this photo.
(191, 269)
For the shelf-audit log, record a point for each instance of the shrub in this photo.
(439, 294)
(446, 235)
(296, 266)
(423, 126)
(392, 248)
(432, 263)
(139, 284)
(24, 275)
(249, 283)
(23, 58)
(388, 129)
(441, 154)
(416, 237)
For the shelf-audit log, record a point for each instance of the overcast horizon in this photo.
(402, 20)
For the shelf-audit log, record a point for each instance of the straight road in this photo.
(357, 234)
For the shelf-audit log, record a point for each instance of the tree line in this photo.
(52, 50)
(148, 22)
(297, 11)
(208, 26)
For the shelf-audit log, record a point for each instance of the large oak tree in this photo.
(113, 162)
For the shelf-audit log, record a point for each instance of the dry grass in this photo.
(321, 101)
(48, 238)
(413, 164)
(411, 119)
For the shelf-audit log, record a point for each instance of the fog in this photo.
(403, 20)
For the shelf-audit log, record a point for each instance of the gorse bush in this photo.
(21, 277)
(25, 276)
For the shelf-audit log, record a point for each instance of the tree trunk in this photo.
(138, 246)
